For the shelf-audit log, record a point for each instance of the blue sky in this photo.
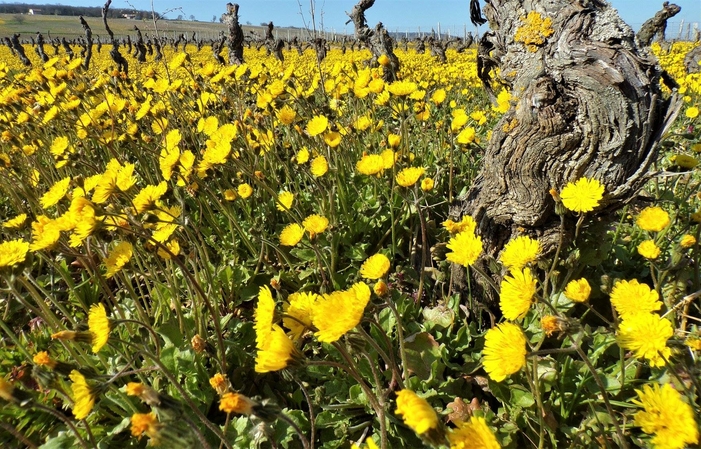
(397, 15)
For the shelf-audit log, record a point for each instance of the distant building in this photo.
(34, 11)
(129, 16)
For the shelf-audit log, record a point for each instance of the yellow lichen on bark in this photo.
(534, 31)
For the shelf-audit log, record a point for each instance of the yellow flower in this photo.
(147, 197)
(370, 164)
(118, 258)
(653, 218)
(466, 223)
(383, 60)
(291, 235)
(631, 297)
(99, 326)
(692, 112)
(244, 190)
(15, 223)
(578, 290)
(504, 351)
(42, 358)
(646, 334)
(409, 176)
(375, 267)
(55, 193)
(13, 252)
(285, 200)
(519, 252)
(474, 434)
(466, 248)
(516, 294)
(236, 403)
(416, 412)
(466, 136)
(438, 96)
(264, 316)
(230, 194)
(583, 195)
(302, 156)
(276, 353)
(402, 88)
(315, 224)
(427, 184)
(393, 140)
(687, 241)
(300, 312)
(319, 166)
(45, 233)
(83, 400)
(649, 250)
(336, 313)
(332, 139)
(317, 125)
(286, 115)
(389, 157)
(362, 123)
(684, 161)
(381, 288)
(667, 416)
(125, 179)
(220, 383)
(146, 423)
(550, 324)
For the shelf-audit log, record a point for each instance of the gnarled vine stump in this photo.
(586, 101)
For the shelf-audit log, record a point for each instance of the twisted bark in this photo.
(586, 102)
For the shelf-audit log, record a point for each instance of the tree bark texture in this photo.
(586, 101)
(378, 40)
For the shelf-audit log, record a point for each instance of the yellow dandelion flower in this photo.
(371, 164)
(474, 434)
(285, 200)
(286, 115)
(55, 193)
(519, 252)
(263, 316)
(666, 416)
(687, 241)
(466, 136)
(649, 250)
(236, 403)
(578, 290)
(145, 423)
(244, 190)
(504, 351)
(427, 184)
(220, 383)
(438, 96)
(692, 112)
(653, 218)
(118, 258)
(646, 334)
(466, 248)
(83, 399)
(13, 252)
(16, 222)
(416, 412)
(147, 197)
(583, 195)
(516, 296)
(299, 311)
(315, 224)
(337, 313)
(409, 176)
(332, 139)
(291, 235)
(389, 157)
(393, 140)
(99, 326)
(466, 224)
(317, 125)
(402, 88)
(631, 297)
(319, 166)
(302, 156)
(375, 267)
(276, 353)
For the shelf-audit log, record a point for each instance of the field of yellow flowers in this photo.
(199, 255)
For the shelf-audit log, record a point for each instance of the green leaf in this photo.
(422, 350)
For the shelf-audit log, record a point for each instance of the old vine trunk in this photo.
(586, 101)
